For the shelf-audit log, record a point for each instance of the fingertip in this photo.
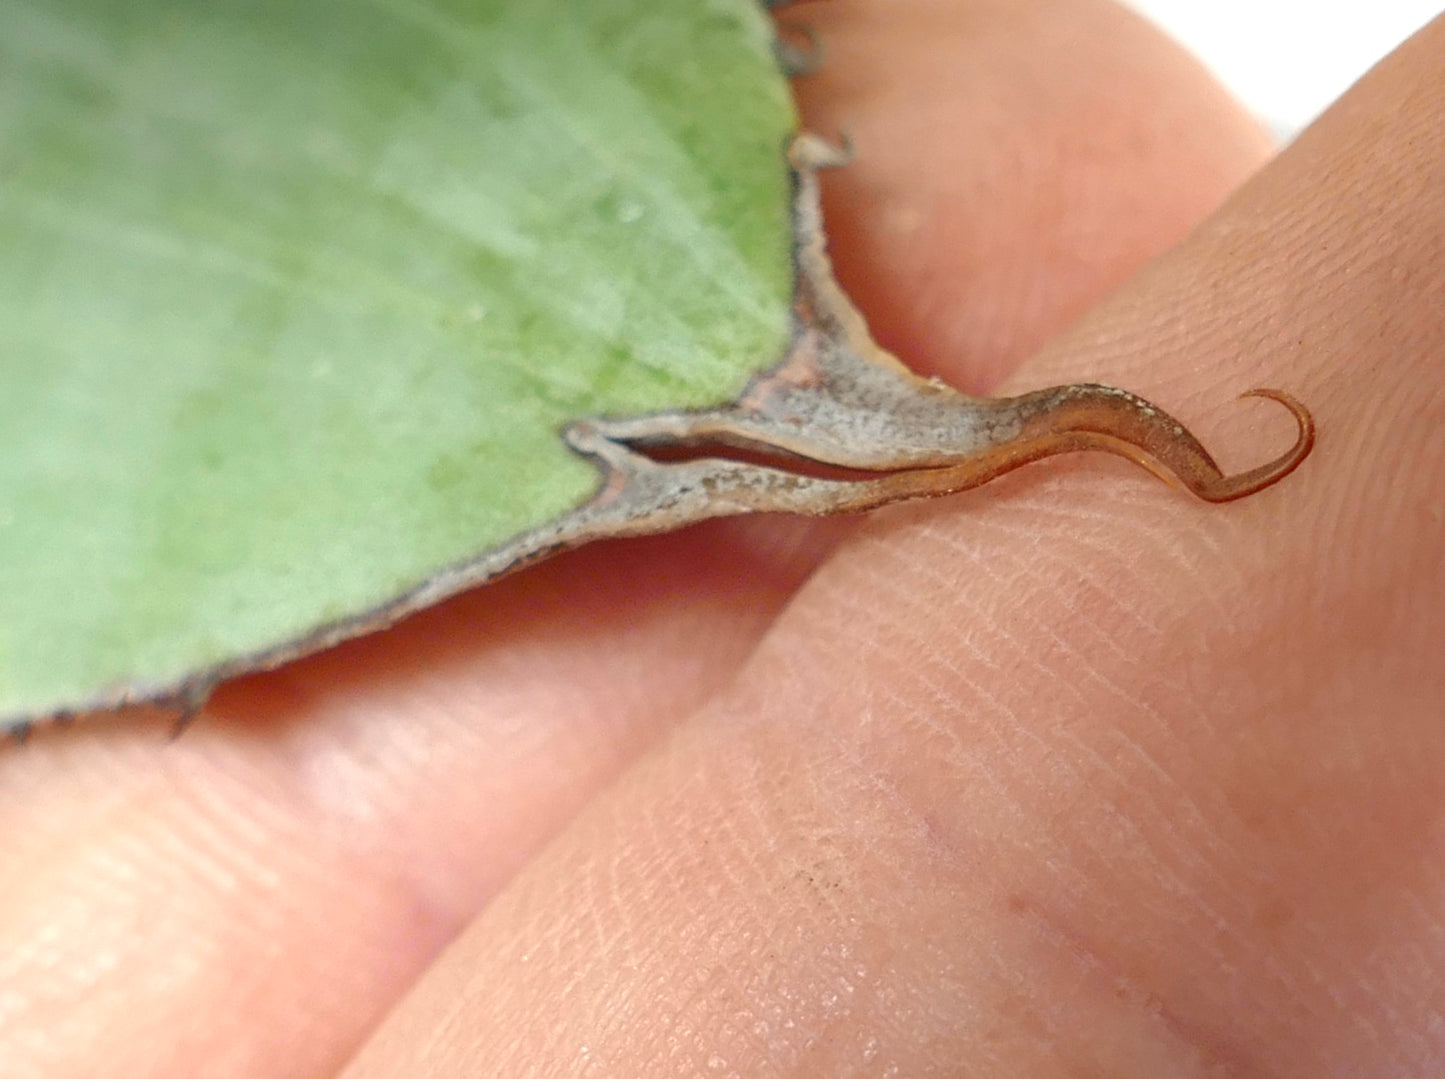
(1015, 163)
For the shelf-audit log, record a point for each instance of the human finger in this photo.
(248, 899)
(1074, 775)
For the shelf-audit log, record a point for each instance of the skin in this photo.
(1073, 775)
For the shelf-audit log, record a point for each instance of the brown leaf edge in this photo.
(837, 404)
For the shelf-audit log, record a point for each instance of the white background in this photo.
(1288, 59)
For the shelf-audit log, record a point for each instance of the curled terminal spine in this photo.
(1091, 417)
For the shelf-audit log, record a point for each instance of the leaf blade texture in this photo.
(296, 297)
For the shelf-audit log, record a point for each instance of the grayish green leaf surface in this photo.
(295, 296)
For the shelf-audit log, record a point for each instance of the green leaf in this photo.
(295, 296)
(315, 312)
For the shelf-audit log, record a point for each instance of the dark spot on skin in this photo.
(1275, 914)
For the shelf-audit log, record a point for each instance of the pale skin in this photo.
(1071, 775)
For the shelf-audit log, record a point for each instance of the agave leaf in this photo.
(295, 297)
(313, 312)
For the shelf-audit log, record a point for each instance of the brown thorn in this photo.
(189, 701)
(1257, 479)
(1070, 418)
(799, 60)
